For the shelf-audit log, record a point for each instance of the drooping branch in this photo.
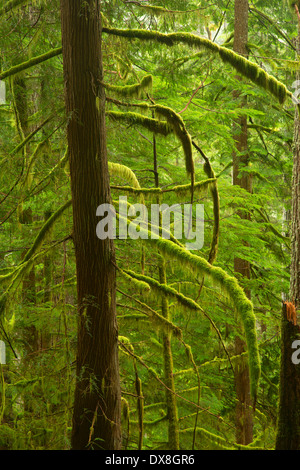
(242, 65)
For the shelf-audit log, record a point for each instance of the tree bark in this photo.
(244, 419)
(288, 425)
(97, 404)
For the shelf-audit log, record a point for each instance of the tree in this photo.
(288, 426)
(96, 418)
(244, 418)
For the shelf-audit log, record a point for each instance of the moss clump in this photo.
(132, 91)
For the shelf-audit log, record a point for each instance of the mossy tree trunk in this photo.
(244, 419)
(97, 403)
(288, 425)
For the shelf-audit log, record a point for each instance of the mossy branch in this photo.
(131, 90)
(135, 119)
(228, 286)
(200, 188)
(173, 124)
(243, 66)
(31, 63)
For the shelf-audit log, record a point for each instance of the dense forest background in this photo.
(190, 346)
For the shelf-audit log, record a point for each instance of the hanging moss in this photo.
(243, 66)
(228, 286)
(176, 122)
(157, 319)
(164, 289)
(216, 202)
(132, 91)
(122, 171)
(141, 286)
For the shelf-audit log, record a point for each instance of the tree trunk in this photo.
(97, 405)
(244, 419)
(288, 425)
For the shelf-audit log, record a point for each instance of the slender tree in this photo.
(96, 418)
(244, 421)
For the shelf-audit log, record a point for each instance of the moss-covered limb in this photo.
(62, 162)
(135, 119)
(177, 123)
(30, 63)
(16, 150)
(124, 172)
(229, 287)
(199, 188)
(176, 126)
(218, 441)
(44, 230)
(16, 276)
(243, 66)
(141, 286)
(216, 204)
(173, 124)
(132, 91)
(164, 289)
(125, 413)
(159, 320)
(151, 226)
(30, 136)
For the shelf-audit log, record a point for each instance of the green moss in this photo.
(153, 125)
(123, 171)
(243, 66)
(229, 287)
(31, 63)
(131, 90)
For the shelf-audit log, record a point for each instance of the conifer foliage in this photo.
(129, 342)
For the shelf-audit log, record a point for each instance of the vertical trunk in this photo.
(97, 405)
(173, 429)
(288, 425)
(244, 420)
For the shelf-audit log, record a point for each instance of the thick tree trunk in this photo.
(97, 405)
(288, 425)
(244, 419)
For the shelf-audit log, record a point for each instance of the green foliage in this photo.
(179, 105)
